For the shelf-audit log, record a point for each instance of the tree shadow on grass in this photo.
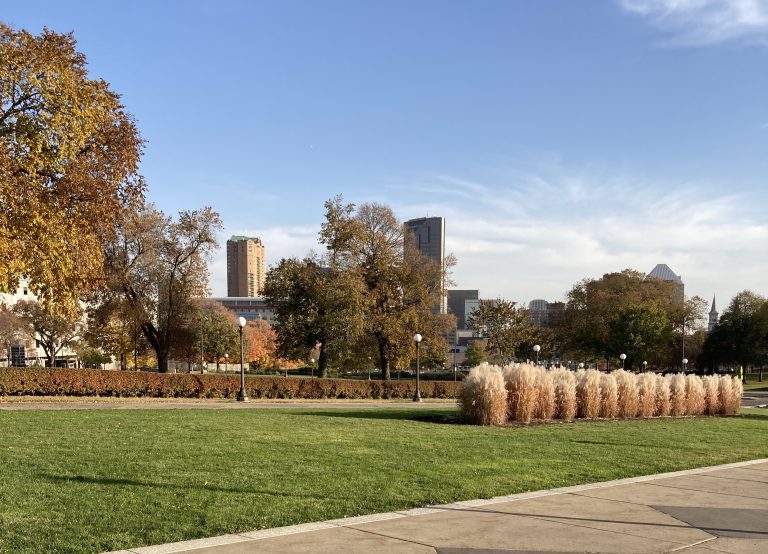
(418, 415)
(68, 479)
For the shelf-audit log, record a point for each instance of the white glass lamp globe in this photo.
(536, 347)
(241, 322)
(417, 337)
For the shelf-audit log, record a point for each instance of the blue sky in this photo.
(560, 139)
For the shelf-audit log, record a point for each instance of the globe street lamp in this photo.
(537, 348)
(645, 366)
(312, 366)
(369, 368)
(685, 363)
(226, 362)
(241, 396)
(581, 365)
(417, 340)
(622, 357)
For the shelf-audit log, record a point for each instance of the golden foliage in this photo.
(68, 160)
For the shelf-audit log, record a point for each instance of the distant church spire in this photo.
(713, 316)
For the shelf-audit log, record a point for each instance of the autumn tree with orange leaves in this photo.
(69, 155)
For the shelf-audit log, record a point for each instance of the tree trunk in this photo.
(322, 362)
(384, 361)
(162, 362)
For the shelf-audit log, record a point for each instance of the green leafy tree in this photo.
(316, 306)
(475, 353)
(504, 325)
(741, 335)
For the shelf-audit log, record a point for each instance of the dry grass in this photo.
(663, 403)
(483, 399)
(588, 393)
(565, 394)
(730, 391)
(694, 395)
(711, 394)
(629, 399)
(646, 394)
(522, 395)
(609, 396)
(677, 401)
(529, 392)
(546, 405)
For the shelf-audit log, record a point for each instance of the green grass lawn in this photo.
(94, 480)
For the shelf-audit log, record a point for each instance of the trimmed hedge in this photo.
(94, 382)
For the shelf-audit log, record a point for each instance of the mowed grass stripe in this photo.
(95, 480)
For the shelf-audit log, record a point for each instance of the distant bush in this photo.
(536, 393)
(88, 382)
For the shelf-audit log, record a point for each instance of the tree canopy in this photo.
(69, 155)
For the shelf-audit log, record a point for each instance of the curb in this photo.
(222, 540)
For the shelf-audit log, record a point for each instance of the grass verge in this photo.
(95, 480)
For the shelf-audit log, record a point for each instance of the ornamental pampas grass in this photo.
(694, 395)
(711, 394)
(609, 396)
(646, 394)
(662, 397)
(545, 406)
(730, 395)
(522, 396)
(588, 393)
(483, 399)
(677, 401)
(628, 397)
(565, 394)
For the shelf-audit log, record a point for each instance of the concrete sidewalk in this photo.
(708, 510)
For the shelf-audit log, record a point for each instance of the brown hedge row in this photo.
(94, 382)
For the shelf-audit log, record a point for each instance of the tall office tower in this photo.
(539, 312)
(457, 305)
(428, 234)
(713, 316)
(246, 266)
(663, 272)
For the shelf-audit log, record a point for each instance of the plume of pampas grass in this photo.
(565, 394)
(711, 394)
(545, 405)
(677, 399)
(483, 399)
(522, 396)
(731, 390)
(663, 403)
(629, 399)
(646, 393)
(695, 396)
(609, 396)
(588, 393)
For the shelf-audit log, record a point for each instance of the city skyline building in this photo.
(665, 273)
(458, 302)
(246, 266)
(428, 235)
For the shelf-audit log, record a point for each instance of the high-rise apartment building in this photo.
(428, 236)
(246, 266)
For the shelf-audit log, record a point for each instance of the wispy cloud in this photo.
(537, 232)
(703, 22)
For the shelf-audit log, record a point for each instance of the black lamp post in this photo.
(241, 396)
(537, 349)
(417, 340)
(623, 357)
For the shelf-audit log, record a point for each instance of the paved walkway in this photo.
(702, 511)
